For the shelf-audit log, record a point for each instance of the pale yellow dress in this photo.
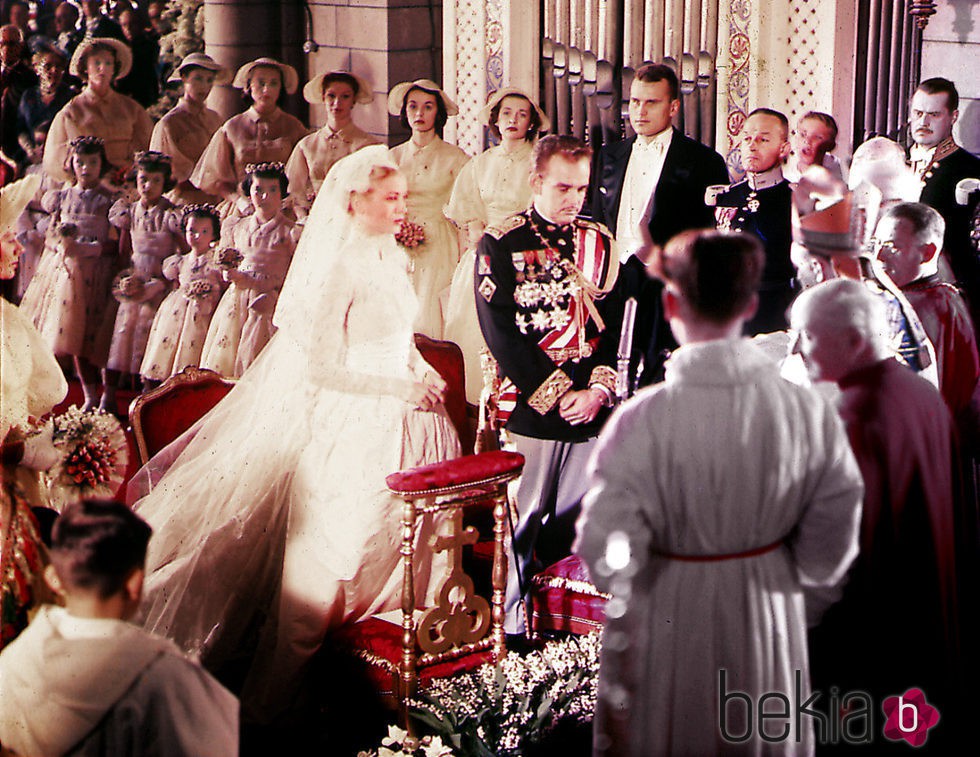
(490, 188)
(431, 172)
(183, 134)
(243, 139)
(119, 121)
(315, 154)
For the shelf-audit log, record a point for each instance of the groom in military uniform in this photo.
(542, 293)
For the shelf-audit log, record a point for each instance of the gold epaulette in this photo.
(506, 226)
(588, 223)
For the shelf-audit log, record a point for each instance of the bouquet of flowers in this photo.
(95, 456)
(128, 285)
(501, 709)
(198, 289)
(229, 257)
(410, 235)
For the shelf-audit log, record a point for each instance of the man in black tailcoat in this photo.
(647, 189)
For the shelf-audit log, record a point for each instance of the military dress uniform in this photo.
(541, 297)
(762, 205)
(939, 170)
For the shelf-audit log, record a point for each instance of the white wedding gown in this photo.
(281, 492)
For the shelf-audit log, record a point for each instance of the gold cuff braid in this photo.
(604, 376)
(546, 395)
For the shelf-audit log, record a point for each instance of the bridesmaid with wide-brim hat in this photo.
(431, 167)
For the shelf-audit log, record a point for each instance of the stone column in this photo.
(385, 41)
(237, 31)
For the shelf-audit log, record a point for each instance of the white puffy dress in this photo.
(281, 492)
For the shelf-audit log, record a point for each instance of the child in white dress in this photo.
(152, 225)
(68, 299)
(266, 239)
(181, 323)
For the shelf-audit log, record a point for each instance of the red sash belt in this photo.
(730, 556)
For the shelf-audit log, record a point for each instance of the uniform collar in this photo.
(766, 179)
(546, 225)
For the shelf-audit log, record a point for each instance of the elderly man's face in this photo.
(827, 351)
(899, 251)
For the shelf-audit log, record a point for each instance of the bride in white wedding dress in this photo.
(280, 490)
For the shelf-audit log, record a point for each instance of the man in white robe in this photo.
(716, 499)
(81, 679)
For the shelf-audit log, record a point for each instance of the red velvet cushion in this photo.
(558, 606)
(381, 640)
(165, 418)
(458, 472)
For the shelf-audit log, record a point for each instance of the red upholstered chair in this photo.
(564, 599)
(162, 414)
(462, 630)
(447, 359)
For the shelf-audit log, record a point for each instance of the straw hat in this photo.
(290, 78)
(123, 55)
(313, 90)
(202, 60)
(500, 94)
(396, 98)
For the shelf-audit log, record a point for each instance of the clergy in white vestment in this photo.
(717, 499)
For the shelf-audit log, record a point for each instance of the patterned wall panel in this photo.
(737, 95)
(470, 67)
(803, 72)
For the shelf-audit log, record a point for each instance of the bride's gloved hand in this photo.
(428, 392)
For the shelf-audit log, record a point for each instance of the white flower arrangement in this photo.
(501, 709)
(398, 742)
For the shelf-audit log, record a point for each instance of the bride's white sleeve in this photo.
(329, 345)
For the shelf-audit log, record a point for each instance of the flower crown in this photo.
(202, 208)
(272, 166)
(87, 141)
(152, 156)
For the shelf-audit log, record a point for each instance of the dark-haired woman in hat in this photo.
(185, 131)
(315, 154)
(431, 167)
(262, 134)
(490, 188)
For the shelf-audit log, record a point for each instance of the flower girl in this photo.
(266, 239)
(68, 299)
(152, 225)
(177, 336)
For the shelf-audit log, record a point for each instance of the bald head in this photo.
(842, 327)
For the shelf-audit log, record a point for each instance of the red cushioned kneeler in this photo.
(402, 657)
(563, 598)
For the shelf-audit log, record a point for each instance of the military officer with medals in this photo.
(543, 282)
(761, 204)
(941, 165)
